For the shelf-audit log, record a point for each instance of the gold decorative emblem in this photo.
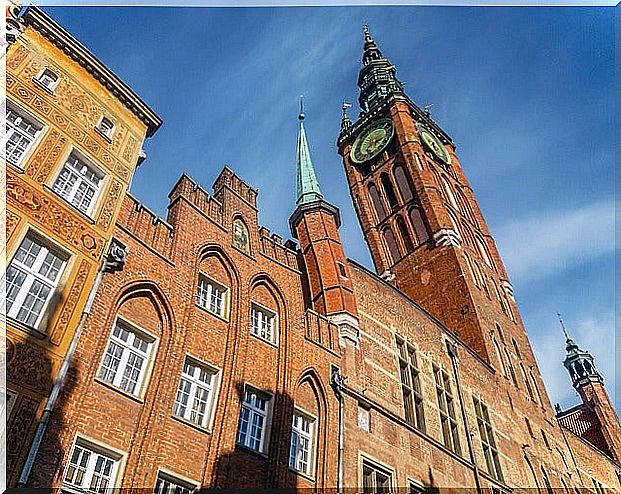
(372, 140)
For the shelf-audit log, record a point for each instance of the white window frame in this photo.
(309, 437)
(107, 131)
(32, 275)
(248, 404)
(174, 481)
(272, 328)
(195, 385)
(41, 79)
(376, 467)
(71, 193)
(127, 349)
(205, 295)
(95, 452)
(13, 128)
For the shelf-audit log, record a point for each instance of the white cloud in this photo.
(548, 243)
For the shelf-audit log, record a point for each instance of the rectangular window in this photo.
(127, 357)
(48, 79)
(446, 404)
(263, 323)
(488, 443)
(375, 479)
(78, 183)
(105, 127)
(31, 279)
(91, 469)
(253, 419)
(195, 395)
(302, 443)
(211, 296)
(410, 385)
(166, 484)
(21, 133)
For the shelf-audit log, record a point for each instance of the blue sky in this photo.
(526, 93)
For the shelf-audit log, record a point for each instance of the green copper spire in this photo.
(307, 185)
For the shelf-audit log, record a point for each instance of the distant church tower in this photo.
(595, 419)
(418, 213)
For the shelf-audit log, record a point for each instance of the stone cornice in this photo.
(44, 24)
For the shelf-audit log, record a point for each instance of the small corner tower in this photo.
(315, 224)
(603, 429)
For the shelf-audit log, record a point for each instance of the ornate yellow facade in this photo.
(58, 120)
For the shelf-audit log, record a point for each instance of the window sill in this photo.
(41, 335)
(102, 134)
(303, 475)
(222, 318)
(16, 168)
(263, 340)
(83, 215)
(246, 449)
(191, 424)
(247, 254)
(132, 397)
(43, 86)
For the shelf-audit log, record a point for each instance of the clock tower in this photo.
(419, 217)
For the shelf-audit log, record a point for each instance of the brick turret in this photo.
(315, 224)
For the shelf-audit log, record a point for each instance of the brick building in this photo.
(221, 356)
(73, 139)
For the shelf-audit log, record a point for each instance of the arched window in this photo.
(419, 163)
(534, 381)
(546, 480)
(419, 225)
(241, 240)
(500, 359)
(389, 191)
(469, 264)
(405, 235)
(527, 382)
(391, 244)
(511, 370)
(377, 202)
(449, 192)
(483, 251)
(402, 184)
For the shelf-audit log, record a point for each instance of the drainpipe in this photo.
(114, 261)
(337, 381)
(452, 351)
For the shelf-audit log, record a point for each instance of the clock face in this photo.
(372, 140)
(434, 144)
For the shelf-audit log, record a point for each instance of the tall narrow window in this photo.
(488, 443)
(377, 202)
(410, 385)
(263, 323)
(500, 359)
(212, 296)
(389, 191)
(405, 234)
(546, 480)
(418, 161)
(536, 388)
(375, 479)
(195, 395)
(301, 454)
(449, 193)
(446, 404)
(529, 388)
(511, 369)
(483, 251)
(403, 184)
(391, 244)
(253, 419)
(32, 279)
(91, 468)
(21, 133)
(127, 357)
(79, 183)
(419, 225)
